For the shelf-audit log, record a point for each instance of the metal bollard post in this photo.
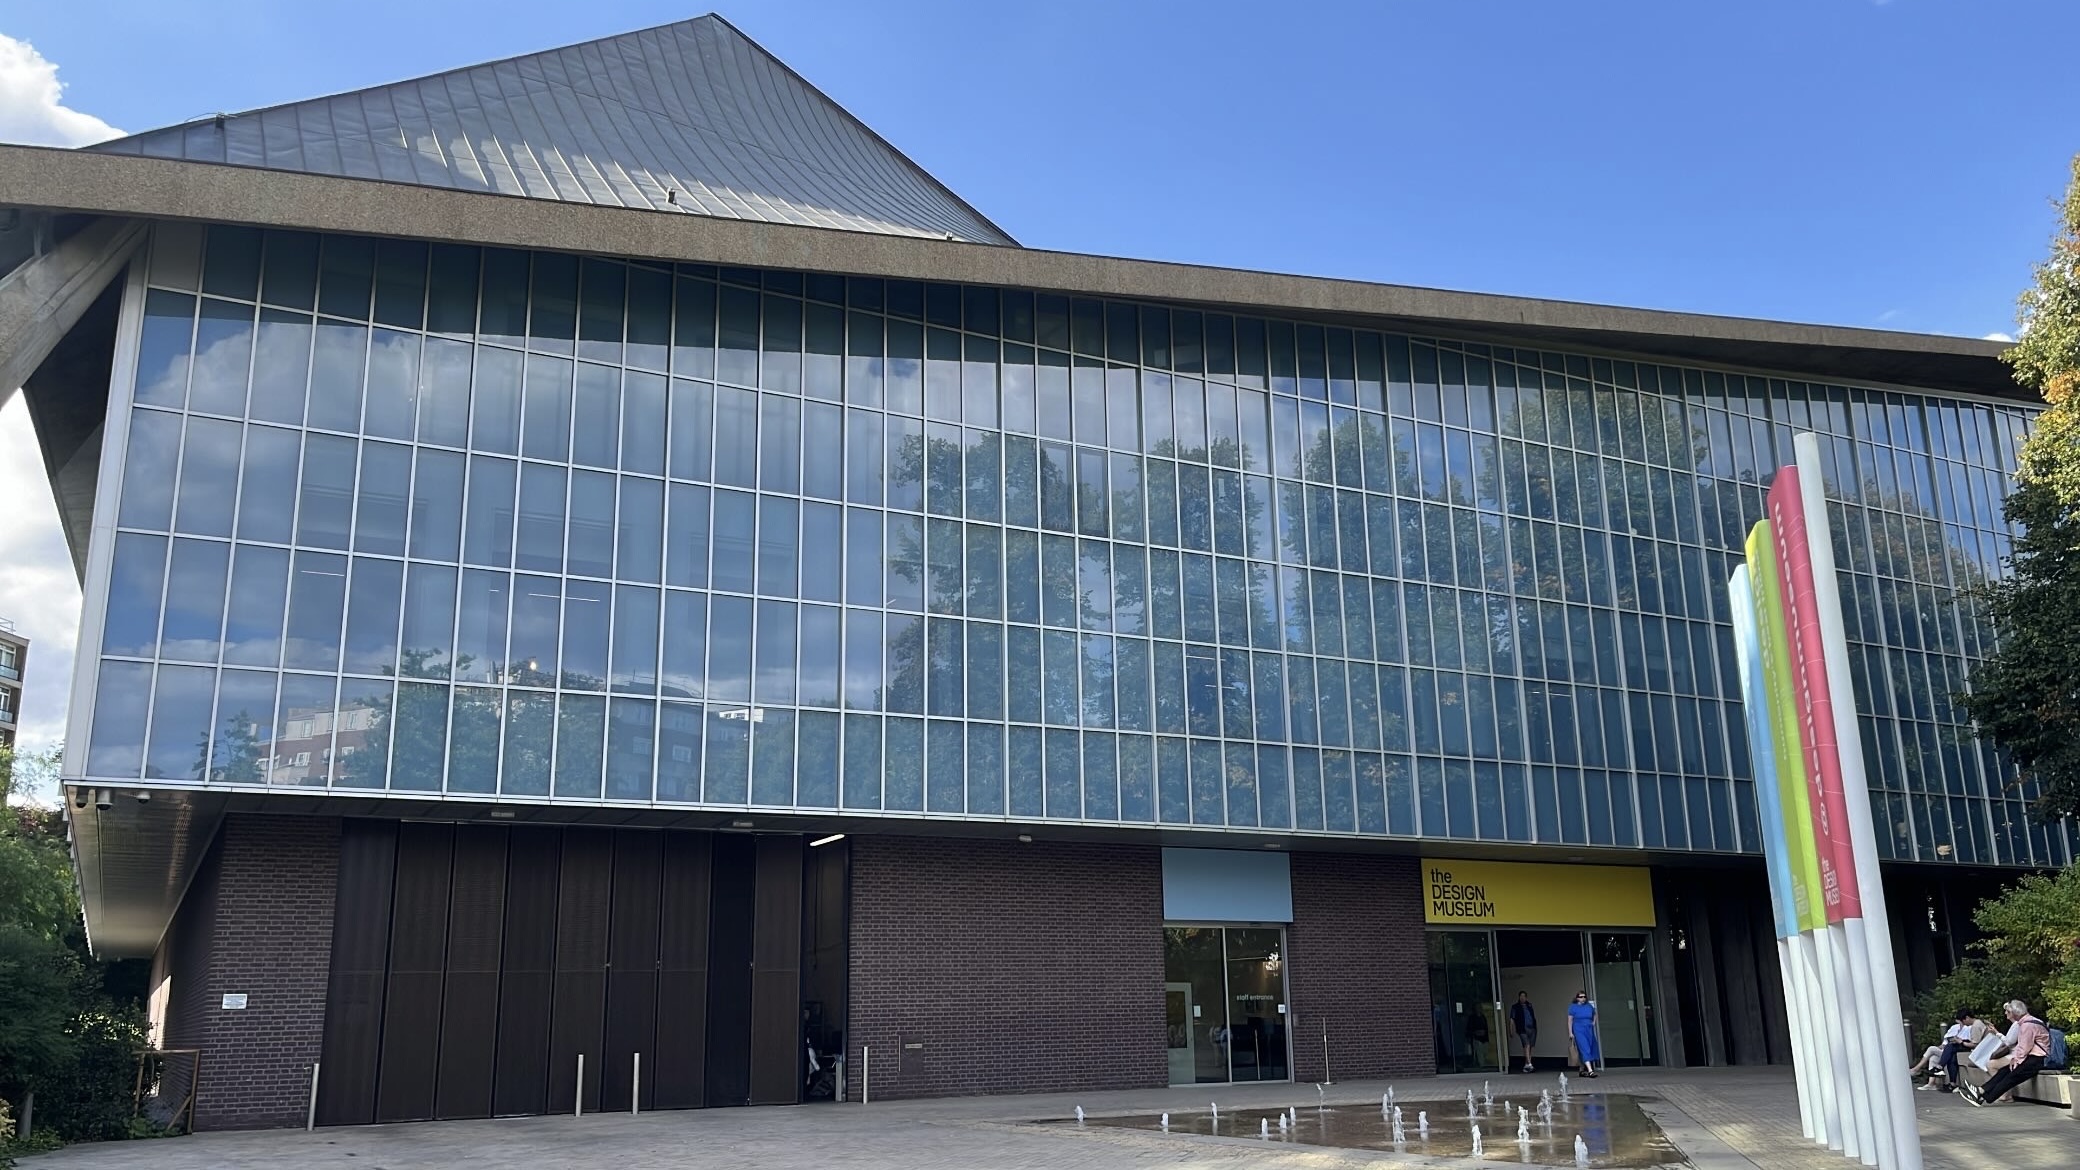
(1326, 1078)
(310, 1121)
(866, 1072)
(635, 1087)
(578, 1095)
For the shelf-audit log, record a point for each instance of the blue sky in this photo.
(1852, 162)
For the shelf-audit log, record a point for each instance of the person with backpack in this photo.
(2026, 1057)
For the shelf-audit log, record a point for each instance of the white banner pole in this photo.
(1889, 1047)
(1870, 1013)
(1807, 969)
(1837, 1006)
(1795, 1021)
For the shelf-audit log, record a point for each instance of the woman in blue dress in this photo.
(1581, 1024)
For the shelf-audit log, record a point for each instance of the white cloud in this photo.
(38, 591)
(1888, 315)
(32, 102)
(1997, 336)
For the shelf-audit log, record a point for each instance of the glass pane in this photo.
(429, 621)
(373, 607)
(419, 727)
(1257, 1047)
(631, 734)
(580, 744)
(136, 585)
(473, 740)
(195, 600)
(267, 489)
(244, 728)
(148, 465)
(1195, 1004)
(259, 595)
(121, 696)
(317, 601)
(530, 732)
(1623, 995)
(179, 745)
(209, 477)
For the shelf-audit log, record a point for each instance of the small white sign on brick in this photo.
(234, 1001)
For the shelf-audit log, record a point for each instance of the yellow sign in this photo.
(1513, 893)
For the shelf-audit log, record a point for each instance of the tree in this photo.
(66, 1030)
(2025, 696)
(2030, 950)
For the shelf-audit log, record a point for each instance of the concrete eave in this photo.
(78, 181)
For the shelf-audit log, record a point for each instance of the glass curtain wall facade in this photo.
(429, 518)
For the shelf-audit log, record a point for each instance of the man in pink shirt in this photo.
(2025, 1057)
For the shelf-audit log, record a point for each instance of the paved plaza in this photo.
(1722, 1119)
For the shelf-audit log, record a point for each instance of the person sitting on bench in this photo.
(2025, 1056)
(1940, 1060)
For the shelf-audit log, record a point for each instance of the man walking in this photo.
(1523, 1021)
(2025, 1057)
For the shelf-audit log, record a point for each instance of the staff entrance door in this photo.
(1224, 991)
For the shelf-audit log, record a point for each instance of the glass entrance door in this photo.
(1624, 1007)
(1465, 1026)
(1224, 993)
(1257, 1005)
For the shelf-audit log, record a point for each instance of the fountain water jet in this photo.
(1478, 1152)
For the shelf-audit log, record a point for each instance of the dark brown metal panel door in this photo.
(578, 1020)
(418, 961)
(729, 972)
(360, 958)
(776, 973)
(679, 1079)
(528, 967)
(632, 967)
(469, 1007)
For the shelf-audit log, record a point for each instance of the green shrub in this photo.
(93, 1102)
(2029, 950)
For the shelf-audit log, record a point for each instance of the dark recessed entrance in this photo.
(474, 965)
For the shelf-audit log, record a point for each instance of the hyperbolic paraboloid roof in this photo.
(692, 117)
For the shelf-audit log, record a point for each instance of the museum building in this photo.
(605, 583)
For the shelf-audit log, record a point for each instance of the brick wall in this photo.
(1359, 966)
(257, 919)
(1019, 967)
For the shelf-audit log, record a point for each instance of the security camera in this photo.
(102, 801)
(79, 798)
(143, 797)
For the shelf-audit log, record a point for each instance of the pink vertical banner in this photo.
(1816, 731)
